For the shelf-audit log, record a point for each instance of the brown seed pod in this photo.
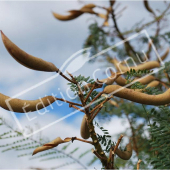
(125, 155)
(51, 144)
(23, 106)
(76, 13)
(73, 14)
(154, 83)
(146, 4)
(122, 81)
(90, 6)
(145, 66)
(147, 79)
(138, 97)
(84, 131)
(163, 57)
(26, 59)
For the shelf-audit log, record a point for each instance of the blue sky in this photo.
(31, 26)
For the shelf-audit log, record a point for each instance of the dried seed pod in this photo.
(154, 83)
(23, 106)
(138, 97)
(163, 57)
(145, 66)
(76, 13)
(91, 6)
(73, 14)
(146, 4)
(125, 155)
(26, 59)
(122, 81)
(147, 79)
(84, 129)
(51, 144)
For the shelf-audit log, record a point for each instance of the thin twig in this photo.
(82, 140)
(138, 164)
(66, 101)
(70, 105)
(85, 100)
(59, 72)
(120, 35)
(101, 104)
(100, 157)
(112, 151)
(96, 97)
(95, 114)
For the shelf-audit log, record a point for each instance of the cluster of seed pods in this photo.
(38, 64)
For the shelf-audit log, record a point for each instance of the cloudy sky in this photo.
(31, 26)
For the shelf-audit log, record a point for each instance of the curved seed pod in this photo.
(84, 129)
(138, 97)
(145, 66)
(163, 57)
(146, 4)
(73, 14)
(147, 79)
(23, 106)
(91, 6)
(26, 59)
(51, 145)
(76, 13)
(125, 155)
(154, 83)
(122, 81)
